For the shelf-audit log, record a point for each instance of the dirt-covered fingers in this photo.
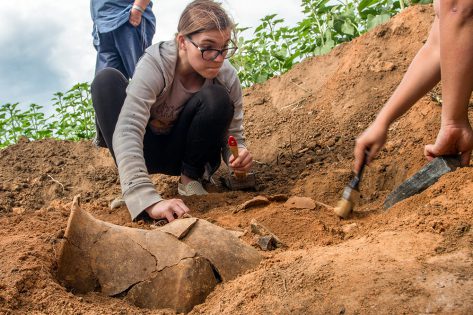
(167, 209)
(179, 208)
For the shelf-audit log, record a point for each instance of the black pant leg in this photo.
(195, 139)
(108, 92)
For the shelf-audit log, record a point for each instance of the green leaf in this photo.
(347, 28)
(376, 20)
(366, 3)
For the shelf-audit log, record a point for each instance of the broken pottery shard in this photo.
(99, 254)
(267, 242)
(74, 268)
(278, 198)
(261, 230)
(150, 268)
(424, 178)
(116, 267)
(258, 228)
(124, 256)
(227, 253)
(300, 203)
(178, 287)
(255, 202)
(179, 228)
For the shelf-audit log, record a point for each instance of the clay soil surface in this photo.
(415, 258)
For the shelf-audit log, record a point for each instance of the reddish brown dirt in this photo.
(414, 258)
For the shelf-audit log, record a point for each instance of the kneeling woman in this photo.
(176, 113)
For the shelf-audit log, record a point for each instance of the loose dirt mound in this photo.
(415, 258)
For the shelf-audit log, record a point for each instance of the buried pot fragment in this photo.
(189, 282)
(296, 202)
(267, 242)
(99, 254)
(135, 255)
(179, 228)
(265, 239)
(257, 201)
(230, 256)
(154, 268)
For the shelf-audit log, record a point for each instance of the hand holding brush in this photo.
(350, 193)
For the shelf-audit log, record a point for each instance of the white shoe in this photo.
(117, 203)
(192, 188)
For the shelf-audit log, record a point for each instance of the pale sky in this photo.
(46, 46)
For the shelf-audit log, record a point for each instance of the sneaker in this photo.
(192, 188)
(117, 203)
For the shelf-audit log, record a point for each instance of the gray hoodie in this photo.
(151, 82)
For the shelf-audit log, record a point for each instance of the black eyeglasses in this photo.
(210, 54)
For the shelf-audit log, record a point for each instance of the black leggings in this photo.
(195, 139)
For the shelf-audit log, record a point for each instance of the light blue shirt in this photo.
(108, 15)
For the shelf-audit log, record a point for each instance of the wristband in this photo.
(137, 7)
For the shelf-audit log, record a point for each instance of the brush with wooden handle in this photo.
(350, 193)
(233, 145)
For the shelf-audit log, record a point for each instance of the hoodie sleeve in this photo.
(147, 83)
(236, 125)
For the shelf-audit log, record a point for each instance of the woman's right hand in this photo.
(370, 141)
(167, 209)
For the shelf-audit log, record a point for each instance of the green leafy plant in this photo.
(75, 112)
(270, 52)
(275, 48)
(73, 118)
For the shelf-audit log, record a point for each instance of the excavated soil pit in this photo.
(301, 127)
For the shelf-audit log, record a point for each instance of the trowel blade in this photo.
(423, 179)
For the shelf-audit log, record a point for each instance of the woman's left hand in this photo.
(244, 161)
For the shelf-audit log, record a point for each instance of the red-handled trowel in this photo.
(238, 180)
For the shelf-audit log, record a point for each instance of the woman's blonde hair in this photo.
(204, 15)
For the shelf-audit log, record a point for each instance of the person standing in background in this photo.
(122, 30)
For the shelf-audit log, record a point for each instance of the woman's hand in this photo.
(370, 141)
(243, 163)
(169, 209)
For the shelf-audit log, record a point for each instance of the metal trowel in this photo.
(424, 178)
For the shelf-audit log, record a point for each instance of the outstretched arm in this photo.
(421, 76)
(456, 52)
